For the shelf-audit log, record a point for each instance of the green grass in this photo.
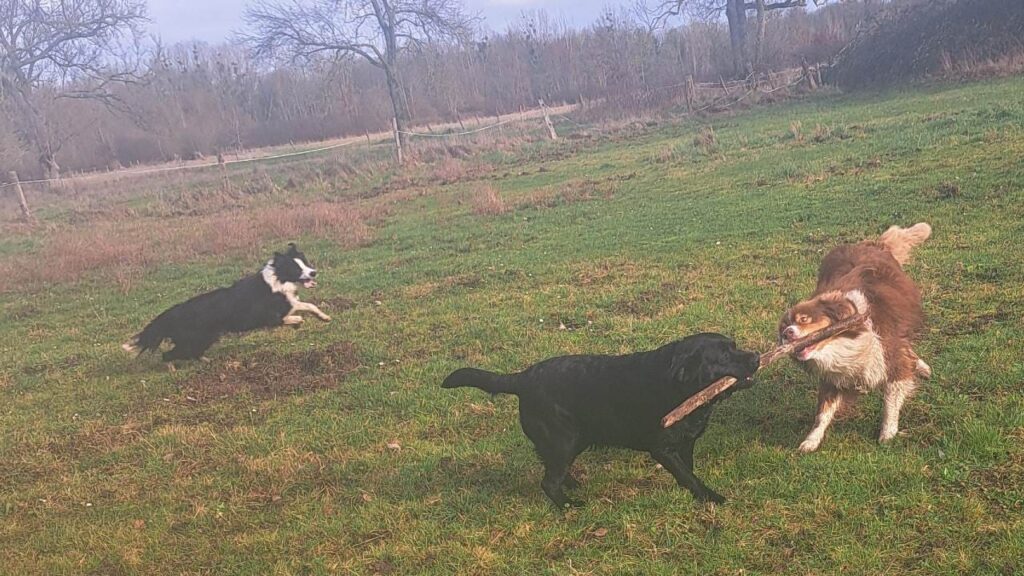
(275, 457)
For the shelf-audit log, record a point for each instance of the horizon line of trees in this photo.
(189, 100)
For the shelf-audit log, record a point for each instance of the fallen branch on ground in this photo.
(704, 396)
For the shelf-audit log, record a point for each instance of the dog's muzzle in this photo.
(308, 279)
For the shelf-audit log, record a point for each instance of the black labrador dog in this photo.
(569, 403)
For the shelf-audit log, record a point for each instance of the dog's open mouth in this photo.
(309, 283)
(804, 353)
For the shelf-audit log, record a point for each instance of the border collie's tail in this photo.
(901, 241)
(482, 379)
(150, 338)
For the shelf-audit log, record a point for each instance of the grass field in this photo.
(332, 449)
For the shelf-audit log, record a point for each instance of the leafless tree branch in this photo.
(75, 48)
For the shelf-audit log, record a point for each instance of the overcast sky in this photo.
(215, 20)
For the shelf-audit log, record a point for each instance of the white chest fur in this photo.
(851, 363)
(288, 289)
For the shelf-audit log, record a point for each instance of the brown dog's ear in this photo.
(836, 306)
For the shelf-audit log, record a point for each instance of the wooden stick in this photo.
(704, 396)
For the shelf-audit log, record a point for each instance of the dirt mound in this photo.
(268, 374)
(918, 39)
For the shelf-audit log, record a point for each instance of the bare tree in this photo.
(736, 15)
(54, 49)
(378, 31)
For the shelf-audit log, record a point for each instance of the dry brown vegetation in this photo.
(487, 201)
(705, 141)
(579, 190)
(119, 249)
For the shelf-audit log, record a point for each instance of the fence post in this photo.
(691, 93)
(398, 139)
(725, 88)
(25, 212)
(807, 74)
(547, 120)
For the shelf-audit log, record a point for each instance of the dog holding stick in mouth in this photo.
(865, 278)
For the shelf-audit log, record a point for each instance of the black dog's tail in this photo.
(151, 336)
(482, 379)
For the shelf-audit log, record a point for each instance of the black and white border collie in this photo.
(262, 300)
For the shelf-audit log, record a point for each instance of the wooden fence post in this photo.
(807, 74)
(547, 121)
(691, 93)
(25, 212)
(398, 139)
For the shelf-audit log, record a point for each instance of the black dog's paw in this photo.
(571, 503)
(571, 483)
(711, 497)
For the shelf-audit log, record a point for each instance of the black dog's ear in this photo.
(678, 367)
(292, 249)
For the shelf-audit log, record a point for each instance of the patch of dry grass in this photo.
(705, 141)
(488, 202)
(119, 250)
(579, 190)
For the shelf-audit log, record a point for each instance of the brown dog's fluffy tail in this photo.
(901, 241)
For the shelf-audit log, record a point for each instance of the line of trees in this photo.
(81, 91)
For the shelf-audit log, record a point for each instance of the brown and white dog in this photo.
(864, 277)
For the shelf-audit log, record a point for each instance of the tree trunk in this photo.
(761, 27)
(48, 163)
(395, 92)
(32, 126)
(736, 14)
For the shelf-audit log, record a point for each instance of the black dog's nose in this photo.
(312, 273)
(789, 333)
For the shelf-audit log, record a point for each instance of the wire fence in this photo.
(727, 99)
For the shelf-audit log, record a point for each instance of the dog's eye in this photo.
(803, 319)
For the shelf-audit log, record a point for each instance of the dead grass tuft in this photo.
(488, 202)
(705, 141)
(796, 131)
(821, 133)
(449, 171)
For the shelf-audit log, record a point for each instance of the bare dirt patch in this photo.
(269, 375)
(647, 303)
